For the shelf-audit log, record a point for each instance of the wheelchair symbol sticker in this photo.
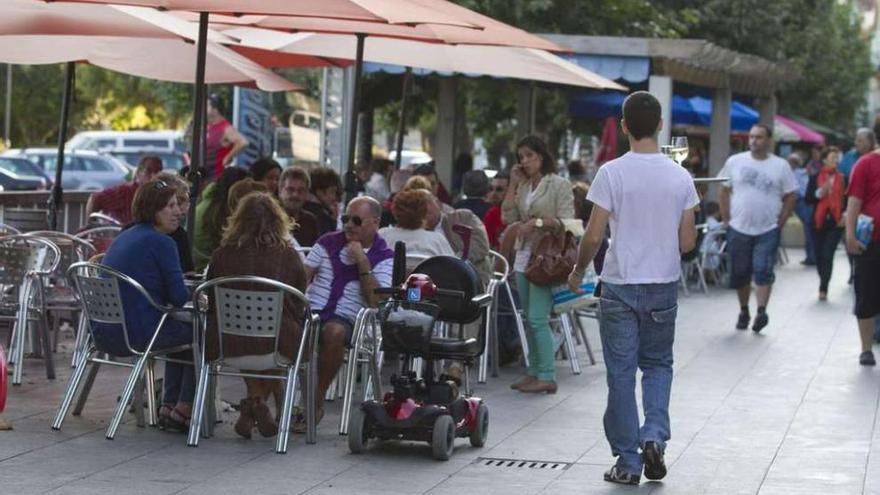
(414, 294)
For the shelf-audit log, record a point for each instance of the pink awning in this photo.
(787, 130)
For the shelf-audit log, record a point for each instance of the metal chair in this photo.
(498, 285)
(98, 289)
(24, 264)
(59, 295)
(254, 313)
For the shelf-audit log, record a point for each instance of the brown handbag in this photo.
(552, 259)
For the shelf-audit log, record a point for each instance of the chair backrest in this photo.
(100, 237)
(21, 255)
(73, 249)
(248, 313)
(103, 220)
(101, 299)
(98, 290)
(253, 312)
(454, 274)
(500, 266)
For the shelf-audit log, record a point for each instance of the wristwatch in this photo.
(539, 223)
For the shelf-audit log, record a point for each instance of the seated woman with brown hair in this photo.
(410, 209)
(256, 241)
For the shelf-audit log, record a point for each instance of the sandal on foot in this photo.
(178, 421)
(163, 414)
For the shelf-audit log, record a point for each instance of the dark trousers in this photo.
(825, 242)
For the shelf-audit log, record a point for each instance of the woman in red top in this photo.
(222, 141)
(826, 190)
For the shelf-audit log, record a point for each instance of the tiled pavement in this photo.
(788, 411)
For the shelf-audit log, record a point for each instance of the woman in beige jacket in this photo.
(540, 202)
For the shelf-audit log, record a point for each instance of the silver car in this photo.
(83, 170)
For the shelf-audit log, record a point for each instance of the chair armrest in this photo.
(482, 300)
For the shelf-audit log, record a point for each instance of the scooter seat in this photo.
(457, 347)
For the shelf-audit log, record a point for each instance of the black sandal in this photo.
(164, 413)
(177, 421)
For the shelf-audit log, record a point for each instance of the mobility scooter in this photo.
(423, 407)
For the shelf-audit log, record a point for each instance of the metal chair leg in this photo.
(137, 402)
(286, 411)
(82, 337)
(127, 392)
(567, 331)
(198, 412)
(520, 326)
(150, 386)
(72, 385)
(351, 371)
(86, 388)
(583, 333)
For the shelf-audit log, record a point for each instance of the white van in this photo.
(111, 140)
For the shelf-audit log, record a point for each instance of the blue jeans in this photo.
(637, 325)
(804, 212)
(752, 255)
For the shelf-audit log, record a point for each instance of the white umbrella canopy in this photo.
(499, 61)
(164, 59)
(136, 41)
(378, 11)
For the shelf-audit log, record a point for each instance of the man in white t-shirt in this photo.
(756, 201)
(343, 269)
(649, 201)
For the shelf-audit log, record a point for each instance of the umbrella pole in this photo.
(401, 126)
(57, 191)
(356, 100)
(7, 118)
(198, 128)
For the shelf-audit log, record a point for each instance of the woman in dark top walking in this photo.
(146, 253)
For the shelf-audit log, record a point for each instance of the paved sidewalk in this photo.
(787, 411)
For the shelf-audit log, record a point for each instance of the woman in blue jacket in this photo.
(146, 253)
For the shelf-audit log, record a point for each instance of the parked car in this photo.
(83, 169)
(112, 140)
(171, 160)
(13, 182)
(24, 168)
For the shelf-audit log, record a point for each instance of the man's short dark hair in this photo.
(425, 169)
(766, 128)
(149, 164)
(641, 112)
(324, 178)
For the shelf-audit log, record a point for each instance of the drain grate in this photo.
(522, 463)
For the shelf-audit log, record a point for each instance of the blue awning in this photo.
(629, 69)
(695, 110)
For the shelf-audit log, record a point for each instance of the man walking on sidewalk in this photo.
(762, 198)
(864, 199)
(650, 201)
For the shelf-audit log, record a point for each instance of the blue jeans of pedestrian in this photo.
(804, 212)
(637, 326)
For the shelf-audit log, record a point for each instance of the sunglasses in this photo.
(159, 185)
(357, 221)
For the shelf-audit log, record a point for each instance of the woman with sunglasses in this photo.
(146, 253)
(538, 201)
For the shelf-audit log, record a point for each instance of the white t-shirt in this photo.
(351, 301)
(646, 194)
(757, 190)
(419, 241)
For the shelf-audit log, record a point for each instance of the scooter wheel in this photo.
(481, 429)
(443, 438)
(357, 431)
